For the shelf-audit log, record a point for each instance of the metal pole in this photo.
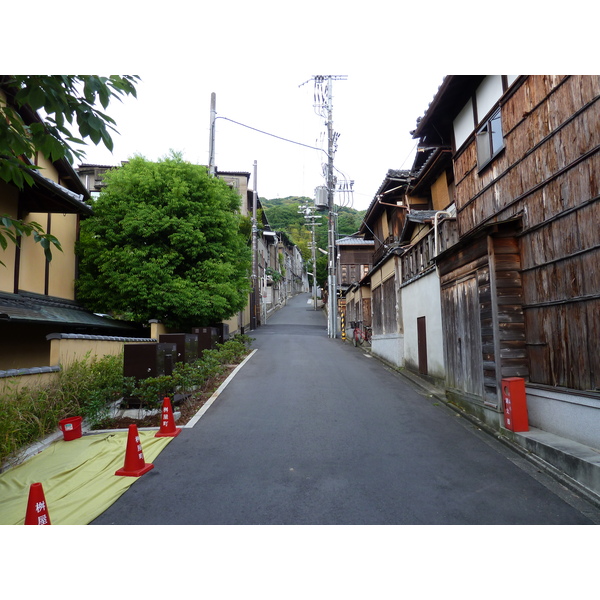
(332, 283)
(255, 287)
(211, 143)
(314, 263)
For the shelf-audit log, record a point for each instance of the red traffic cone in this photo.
(37, 510)
(134, 457)
(167, 421)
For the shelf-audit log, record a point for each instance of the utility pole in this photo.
(331, 270)
(309, 216)
(314, 262)
(255, 287)
(211, 143)
(331, 181)
(326, 101)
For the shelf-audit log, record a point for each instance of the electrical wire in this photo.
(271, 134)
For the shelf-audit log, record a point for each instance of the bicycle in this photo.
(359, 336)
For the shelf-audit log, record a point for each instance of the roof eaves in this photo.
(72, 198)
(392, 176)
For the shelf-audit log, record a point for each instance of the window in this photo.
(345, 275)
(489, 139)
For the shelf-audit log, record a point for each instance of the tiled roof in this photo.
(354, 241)
(26, 309)
(29, 371)
(100, 338)
(72, 198)
(95, 166)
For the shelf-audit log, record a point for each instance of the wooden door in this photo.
(462, 339)
(422, 344)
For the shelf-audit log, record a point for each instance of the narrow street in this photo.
(314, 431)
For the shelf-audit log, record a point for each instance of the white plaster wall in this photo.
(390, 348)
(422, 299)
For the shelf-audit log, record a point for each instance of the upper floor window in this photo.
(471, 119)
(489, 139)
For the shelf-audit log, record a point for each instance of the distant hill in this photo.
(283, 214)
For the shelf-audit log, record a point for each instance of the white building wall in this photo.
(389, 347)
(421, 298)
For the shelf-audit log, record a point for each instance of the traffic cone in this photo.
(167, 421)
(37, 510)
(134, 457)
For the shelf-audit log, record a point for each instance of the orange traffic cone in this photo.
(37, 510)
(134, 457)
(167, 421)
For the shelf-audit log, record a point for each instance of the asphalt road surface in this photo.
(314, 431)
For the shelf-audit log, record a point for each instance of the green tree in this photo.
(164, 243)
(283, 215)
(68, 102)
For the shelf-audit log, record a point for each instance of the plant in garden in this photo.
(164, 243)
(91, 386)
(84, 388)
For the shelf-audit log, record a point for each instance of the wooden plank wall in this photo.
(548, 175)
(551, 127)
(464, 275)
(511, 359)
(365, 312)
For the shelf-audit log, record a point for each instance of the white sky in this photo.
(256, 55)
(373, 126)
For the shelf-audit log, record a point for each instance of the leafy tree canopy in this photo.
(164, 243)
(68, 102)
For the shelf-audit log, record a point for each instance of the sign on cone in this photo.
(37, 510)
(134, 457)
(167, 421)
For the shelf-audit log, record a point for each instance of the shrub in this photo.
(152, 390)
(91, 386)
(83, 388)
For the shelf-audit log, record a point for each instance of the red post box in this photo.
(514, 402)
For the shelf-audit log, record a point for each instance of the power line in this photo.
(272, 134)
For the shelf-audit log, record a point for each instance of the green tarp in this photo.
(78, 477)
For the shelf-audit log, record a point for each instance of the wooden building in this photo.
(424, 235)
(520, 288)
(383, 224)
(355, 257)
